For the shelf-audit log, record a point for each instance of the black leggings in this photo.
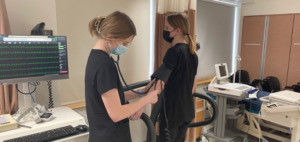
(177, 131)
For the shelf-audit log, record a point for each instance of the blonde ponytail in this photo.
(192, 45)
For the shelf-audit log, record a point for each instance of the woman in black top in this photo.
(107, 111)
(181, 57)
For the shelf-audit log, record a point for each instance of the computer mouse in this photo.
(81, 128)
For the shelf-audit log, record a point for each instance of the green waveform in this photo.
(31, 47)
(46, 72)
(34, 73)
(33, 68)
(12, 75)
(30, 52)
(22, 64)
(24, 58)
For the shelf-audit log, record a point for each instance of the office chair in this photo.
(274, 83)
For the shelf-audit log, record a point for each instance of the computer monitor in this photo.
(32, 58)
(221, 71)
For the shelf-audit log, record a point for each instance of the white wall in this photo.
(215, 34)
(268, 7)
(24, 15)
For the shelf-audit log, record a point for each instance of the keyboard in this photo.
(49, 135)
(237, 86)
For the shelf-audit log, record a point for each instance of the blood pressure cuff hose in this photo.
(162, 73)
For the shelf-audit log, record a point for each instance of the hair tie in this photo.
(97, 24)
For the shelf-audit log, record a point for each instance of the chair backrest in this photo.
(274, 83)
(264, 84)
(244, 77)
(255, 83)
(296, 87)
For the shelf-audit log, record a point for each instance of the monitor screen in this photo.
(221, 71)
(32, 58)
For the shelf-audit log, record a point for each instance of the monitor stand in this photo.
(218, 81)
(24, 101)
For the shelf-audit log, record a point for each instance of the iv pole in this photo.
(238, 64)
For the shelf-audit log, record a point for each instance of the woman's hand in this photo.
(137, 115)
(145, 89)
(152, 96)
(159, 85)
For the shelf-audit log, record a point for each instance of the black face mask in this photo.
(166, 36)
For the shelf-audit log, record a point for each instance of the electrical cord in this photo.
(29, 91)
(51, 103)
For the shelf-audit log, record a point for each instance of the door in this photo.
(252, 45)
(294, 68)
(278, 46)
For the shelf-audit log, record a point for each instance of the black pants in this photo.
(175, 132)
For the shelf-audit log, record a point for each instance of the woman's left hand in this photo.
(137, 114)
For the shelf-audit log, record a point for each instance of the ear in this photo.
(109, 36)
(178, 30)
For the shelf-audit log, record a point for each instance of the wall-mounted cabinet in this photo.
(269, 47)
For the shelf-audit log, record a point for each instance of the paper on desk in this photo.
(253, 95)
(3, 120)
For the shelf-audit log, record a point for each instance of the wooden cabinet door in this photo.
(252, 45)
(280, 29)
(294, 66)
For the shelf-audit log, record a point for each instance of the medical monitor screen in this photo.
(221, 71)
(32, 58)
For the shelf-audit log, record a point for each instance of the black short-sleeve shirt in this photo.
(178, 90)
(101, 75)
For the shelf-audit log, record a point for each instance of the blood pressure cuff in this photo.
(162, 73)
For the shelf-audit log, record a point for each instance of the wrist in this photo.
(140, 93)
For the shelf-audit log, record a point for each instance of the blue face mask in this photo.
(120, 49)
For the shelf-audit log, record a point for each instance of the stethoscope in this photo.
(119, 70)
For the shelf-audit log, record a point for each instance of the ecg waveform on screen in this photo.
(29, 74)
(29, 60)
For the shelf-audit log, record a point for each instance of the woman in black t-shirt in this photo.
(107, 111)
(181, 57)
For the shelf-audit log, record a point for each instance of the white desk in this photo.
(62, 116)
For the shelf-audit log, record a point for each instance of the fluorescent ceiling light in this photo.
(229, 2)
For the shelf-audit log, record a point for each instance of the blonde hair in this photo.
(118, 24)
(180, 20)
